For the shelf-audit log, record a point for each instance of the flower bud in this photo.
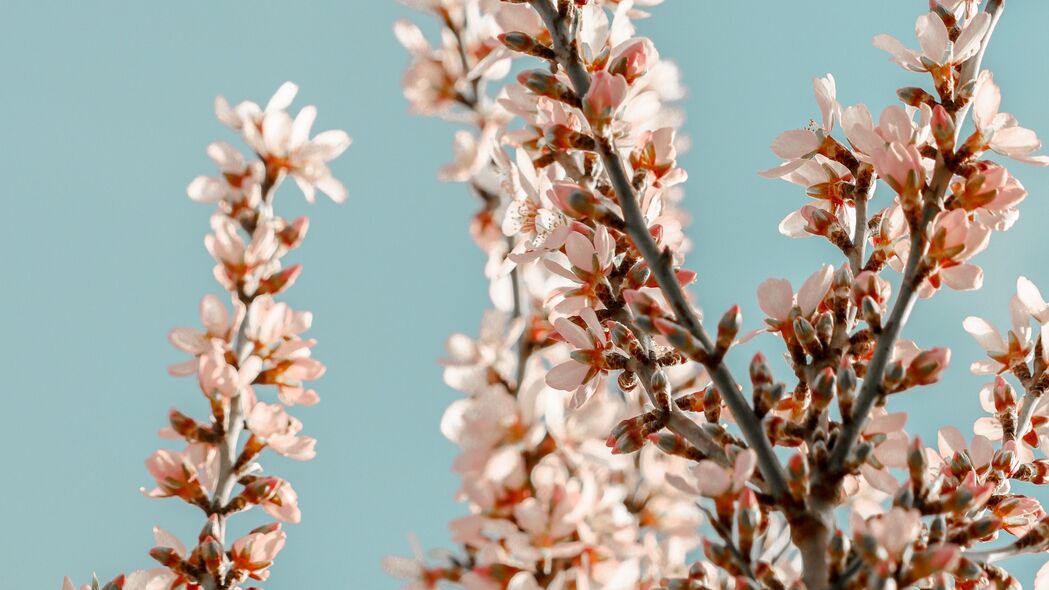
(680, 339)
(937, 529)
(675, 444)
(870, 311)
(660, 388)
(846, 381)
(606, 93)
(638, 274)
(712, 405)
(917, 462)
(798, 475)
(166, 556)
(1004, 396)
(825, 327)
(716, 553)
(915, 97)
(728, 328)
(934, 560)
(984, 527)
(748, 519)
(943, 130)
(546, 84)
(691, 402)
(278, 282)
(212, 554)
(1005, 460)
(806, 336)
(525, 43)
(823, 389)
(841, 282)
(904, 498)
(1036, 472)
(760, 373)
(894, 375)
(925, 369)
(261, 490)
(564, 137)
(633, 59)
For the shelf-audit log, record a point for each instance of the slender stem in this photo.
(1023, 421)
(911, 277)
(660, 263)
(678, 423)
(859, 236)
(234, 425)
(971, 68)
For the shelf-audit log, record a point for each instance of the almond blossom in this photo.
(999, 131)
(239, 352)
(1004, 352)
(578, 373)
(603, 421)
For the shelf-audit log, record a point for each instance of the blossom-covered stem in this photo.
(913, 275)
(1026, 411)
(659, 262)
(912, 278)
(971, 68)
(678, 423)
(859, 238)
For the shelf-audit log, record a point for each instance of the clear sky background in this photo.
(107, 111)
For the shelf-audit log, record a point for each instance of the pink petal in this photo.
(567, 376)
(795, 143)
(776, 298)
(964, 277)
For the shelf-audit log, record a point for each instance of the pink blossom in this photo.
(607, 91)
(469, 363)
(531, 213)
(954, 240)
(273, 426)
(175, 476)
(715, 481)
(894, 531)
(1003, 352)
(657, 156)
(254, 553)
(937, 50)
(284, 504)
(781, 305)
(999, 131)
(217, 325)
(590, 261)
(588, 361)
(238, 180)
(217, 376)
(284, 144)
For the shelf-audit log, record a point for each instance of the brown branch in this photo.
(660, 262)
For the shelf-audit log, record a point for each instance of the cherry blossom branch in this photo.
(258, 345)
(677, 422)
(660, 262)
(587, 175)
(913, 273)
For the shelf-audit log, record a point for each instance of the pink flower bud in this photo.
(606, 93)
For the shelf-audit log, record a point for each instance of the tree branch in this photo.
(659, 264)
(911, 277)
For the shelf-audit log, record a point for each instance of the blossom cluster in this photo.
(805, 481)
(246, 343)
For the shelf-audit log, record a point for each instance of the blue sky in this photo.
(108, 112)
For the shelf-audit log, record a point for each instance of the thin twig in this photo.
(660, 263)
(908, 292)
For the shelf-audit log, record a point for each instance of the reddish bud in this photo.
(280, 281)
